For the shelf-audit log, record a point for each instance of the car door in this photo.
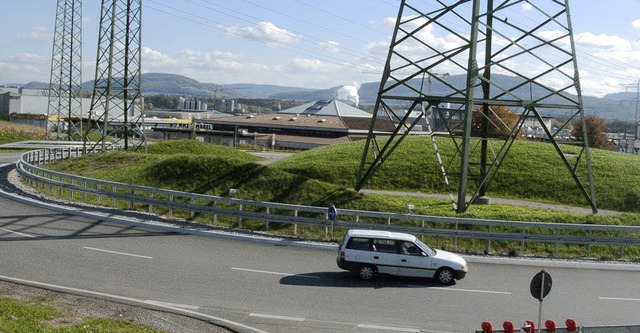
(385, 256)
(412, 261)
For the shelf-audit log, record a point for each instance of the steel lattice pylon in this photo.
(480, 38)
(64, 112)
(116, 115)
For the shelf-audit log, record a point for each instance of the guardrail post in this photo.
(622, 247)
(193, 213)
(266, 225)
(555, 252)
(215, 216)
(589, 245)
(455, 239)
(489, 241)
(133, 205)
(240, 218)
(150, 207)
(524, 232)
(98, 199)
(113, 200)
(295, 225)
(171, 208)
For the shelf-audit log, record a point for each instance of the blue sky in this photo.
(300, 43)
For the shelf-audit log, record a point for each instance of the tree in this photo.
(501, 121)
(597, 129)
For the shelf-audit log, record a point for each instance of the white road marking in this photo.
(388, 328)
(274, 273)
(17, 233)
(472, 291)
(619, 299)
(173, 305)
(120, 253)
(270, 316)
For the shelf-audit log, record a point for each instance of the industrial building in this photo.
(306, 126)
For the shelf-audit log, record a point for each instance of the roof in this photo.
(284, 120)
(381, 234)
(328, 107)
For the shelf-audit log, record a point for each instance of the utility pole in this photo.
(117, 110)
(64, 112)
(478, 27)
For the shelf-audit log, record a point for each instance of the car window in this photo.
(385, 245)
(410, 248)
(358, 243)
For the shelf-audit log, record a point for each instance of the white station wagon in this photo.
(371, 252)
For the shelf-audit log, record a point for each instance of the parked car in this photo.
(371, 252)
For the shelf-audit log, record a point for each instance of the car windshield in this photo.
(429, 251)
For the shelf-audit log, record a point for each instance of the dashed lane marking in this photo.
(279, 317)
(115, 252)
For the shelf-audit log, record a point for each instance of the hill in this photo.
(619, 106)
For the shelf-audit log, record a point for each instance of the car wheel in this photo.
(366, 272)
(445, 276)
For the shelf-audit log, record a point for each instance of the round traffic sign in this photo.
(540, 285)
(332, 212)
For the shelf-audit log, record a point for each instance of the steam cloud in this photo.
(349, 93)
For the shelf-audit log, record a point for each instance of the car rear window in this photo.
(357, 243)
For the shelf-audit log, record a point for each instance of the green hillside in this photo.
(531, 171)
(325, 176)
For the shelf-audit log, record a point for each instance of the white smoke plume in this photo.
(349, 92)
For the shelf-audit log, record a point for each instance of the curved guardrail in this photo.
(168, 202)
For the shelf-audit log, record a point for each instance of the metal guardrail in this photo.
(243, 211)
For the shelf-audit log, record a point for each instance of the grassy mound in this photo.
(531, 171)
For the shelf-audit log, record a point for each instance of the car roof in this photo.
(380, 234)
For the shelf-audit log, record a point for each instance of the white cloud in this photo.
(526, 6)
(39, 34)
(266, 32)
(330, 46)
(313, 65)
(602, 41)
(636, 24)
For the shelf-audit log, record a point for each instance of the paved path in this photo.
(531, 204)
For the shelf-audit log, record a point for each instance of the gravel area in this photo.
(78, 308)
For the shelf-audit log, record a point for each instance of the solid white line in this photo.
(274, 273)
(264, 315)
(173, 305)
(473, 291)
(56, 287)
(114, 252)
(17, 233)
(619, 299)
(388, 328)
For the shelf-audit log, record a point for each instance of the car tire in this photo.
(366, 272)
(445, 276)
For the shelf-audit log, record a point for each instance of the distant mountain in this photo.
(617, 106)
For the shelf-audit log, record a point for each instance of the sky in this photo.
(295, 43)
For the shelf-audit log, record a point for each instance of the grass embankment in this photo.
(36, 316)
(326, 175)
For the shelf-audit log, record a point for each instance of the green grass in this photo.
(325, 176)
(37, 316)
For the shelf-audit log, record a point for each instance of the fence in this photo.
(168, 202)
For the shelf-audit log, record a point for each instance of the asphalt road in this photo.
(272, 288)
